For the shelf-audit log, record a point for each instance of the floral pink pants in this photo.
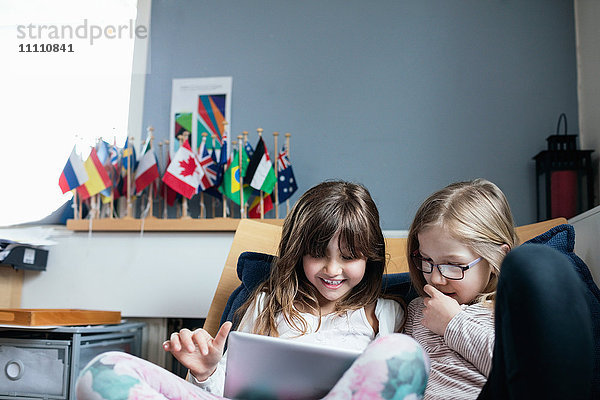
(391, 367)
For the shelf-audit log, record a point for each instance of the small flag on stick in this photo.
(260, 173)
(286, 185)
(147, 170)
(73, 174)
(184, 173)
(98, 177)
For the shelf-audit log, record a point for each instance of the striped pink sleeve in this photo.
(471, 334)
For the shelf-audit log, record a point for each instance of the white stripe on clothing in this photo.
(462, 358)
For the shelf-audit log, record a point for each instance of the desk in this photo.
(45, 363)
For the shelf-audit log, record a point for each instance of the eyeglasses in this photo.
(448, 271)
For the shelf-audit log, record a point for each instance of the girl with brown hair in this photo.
(324, 287)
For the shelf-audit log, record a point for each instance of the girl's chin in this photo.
(331, 296)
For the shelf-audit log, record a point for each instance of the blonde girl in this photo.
(457, 247)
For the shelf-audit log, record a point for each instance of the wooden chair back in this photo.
(252, 235)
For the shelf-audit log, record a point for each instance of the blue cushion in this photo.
(252, 269)
(562, 238)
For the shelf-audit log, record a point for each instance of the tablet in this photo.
(274, 368)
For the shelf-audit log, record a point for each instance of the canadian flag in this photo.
(184, 173)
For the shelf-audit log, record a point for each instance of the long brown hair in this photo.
(475, 213)
(330, 208)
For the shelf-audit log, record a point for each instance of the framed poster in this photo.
(200, 105)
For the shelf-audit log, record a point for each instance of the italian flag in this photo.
(260, 171)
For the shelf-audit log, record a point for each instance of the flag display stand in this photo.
(229, 177)
(158, 225)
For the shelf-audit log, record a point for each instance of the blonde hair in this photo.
(475, 213)
(330, 208)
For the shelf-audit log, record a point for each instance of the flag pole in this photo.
(97, 206)
(223, 197)
(112, 201)
(92, 211)
(184, 202)
(276, 156)
(129, 208)
(213, 200)
(94, 199)
(287, 147)
(245, 134)
(262, 200)
(112, 188)
(165, 190)
(233, 145)
(150, 190)
(80, 202)
(74, 206)
(96, 202)
(241, 169)
(202, 205)
(160, 146)
(178, 212)
(78, 198)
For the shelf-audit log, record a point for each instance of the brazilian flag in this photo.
(231, 179)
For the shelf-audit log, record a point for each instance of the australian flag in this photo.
(286, 184)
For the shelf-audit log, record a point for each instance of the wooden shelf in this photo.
(162, 225)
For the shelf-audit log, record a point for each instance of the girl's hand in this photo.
(439, 310)
(198, 351)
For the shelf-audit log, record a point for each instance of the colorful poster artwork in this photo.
(200, 105)
(211, 119)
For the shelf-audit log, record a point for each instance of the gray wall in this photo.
(403, 96)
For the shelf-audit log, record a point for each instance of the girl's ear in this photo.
(505, 248)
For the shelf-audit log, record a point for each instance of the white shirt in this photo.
(350, 330)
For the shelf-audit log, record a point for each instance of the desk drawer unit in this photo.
(34, 368)
(45, 363)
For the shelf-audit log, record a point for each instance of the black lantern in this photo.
(564, 177)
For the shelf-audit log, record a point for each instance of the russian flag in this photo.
(74, 173)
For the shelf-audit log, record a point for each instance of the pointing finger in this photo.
(222, 334)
